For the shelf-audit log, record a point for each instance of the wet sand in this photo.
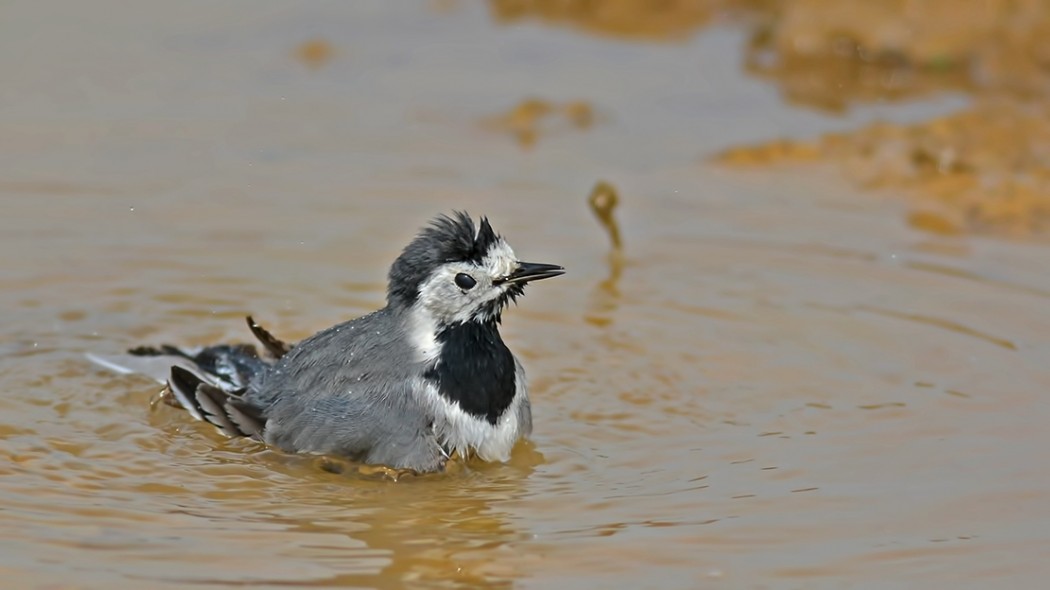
(778, 382)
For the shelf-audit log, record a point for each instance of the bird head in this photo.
(457, 272)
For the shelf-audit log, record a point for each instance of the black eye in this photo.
(465, 281)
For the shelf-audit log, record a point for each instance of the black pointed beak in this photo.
(530, 271)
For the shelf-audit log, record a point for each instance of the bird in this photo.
(422, 380)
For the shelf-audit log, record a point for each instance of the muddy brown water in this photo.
(777, 385)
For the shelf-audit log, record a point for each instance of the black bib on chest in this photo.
(475, 369)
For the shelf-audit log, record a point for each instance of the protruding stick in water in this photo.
(603, 202)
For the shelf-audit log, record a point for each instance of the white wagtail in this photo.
(403, 387)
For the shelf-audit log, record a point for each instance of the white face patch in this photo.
(500, 260)
(443, 301)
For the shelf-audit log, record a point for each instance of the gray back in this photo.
(347, 391)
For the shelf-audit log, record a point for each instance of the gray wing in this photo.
(348, 391)
(522, 394)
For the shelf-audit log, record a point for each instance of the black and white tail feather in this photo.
(208, 382)
(223, 408)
